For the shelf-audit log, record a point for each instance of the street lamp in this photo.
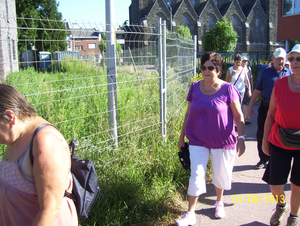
(170, 15)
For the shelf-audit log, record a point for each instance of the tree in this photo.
(221, 38)
(184, 31)
(48, 33)
(102, 44)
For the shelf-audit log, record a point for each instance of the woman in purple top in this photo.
(213, 106)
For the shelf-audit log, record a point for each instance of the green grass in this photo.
(141, 180)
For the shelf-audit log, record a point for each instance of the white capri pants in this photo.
(222, 165)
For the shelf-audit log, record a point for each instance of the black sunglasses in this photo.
(292, 58)
(210, 68)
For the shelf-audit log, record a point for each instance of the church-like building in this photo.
(255, 21)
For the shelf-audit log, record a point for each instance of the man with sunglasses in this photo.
(264, 89)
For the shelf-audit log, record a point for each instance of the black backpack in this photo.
(85, 180)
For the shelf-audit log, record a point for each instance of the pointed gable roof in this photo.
(254, 8)
(210, 6)
(233, 8)
(188, 4)
(157, 4)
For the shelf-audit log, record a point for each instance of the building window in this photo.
(239, 32)
(78, 40)
(251, 34)
(185, 21)
(69, 44)
(78, 48)
(290, 7)
(210, 23)
(192, 29)
(192, 2)
(257, 33)
(234, 23)
(92, 46)
(262, 35)
(204, 29)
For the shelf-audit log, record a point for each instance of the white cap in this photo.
(244, 58)
(287, 62)
(296, 49)
(279, 52)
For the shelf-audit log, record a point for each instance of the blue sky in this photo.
(92, 11)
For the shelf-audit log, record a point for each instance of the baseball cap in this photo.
(296, 49)
(244, 58)
(287, 62)
(279, 52)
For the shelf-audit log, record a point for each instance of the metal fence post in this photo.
(111, 72)
(162, 73)
(195, 55)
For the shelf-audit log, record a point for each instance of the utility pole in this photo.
(111, 71)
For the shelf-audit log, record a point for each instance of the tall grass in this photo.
(139, 180)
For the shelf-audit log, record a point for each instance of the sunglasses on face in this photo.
(210, 68)
(293, 58)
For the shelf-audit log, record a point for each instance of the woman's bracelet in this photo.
(243, 137)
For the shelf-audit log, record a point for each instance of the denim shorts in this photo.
(279, 166)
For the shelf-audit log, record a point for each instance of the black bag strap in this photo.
(238, 77)
(34, 134)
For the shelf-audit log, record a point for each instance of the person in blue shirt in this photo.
(264, 89)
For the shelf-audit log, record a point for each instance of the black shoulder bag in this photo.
(85, 180)
(290, 137)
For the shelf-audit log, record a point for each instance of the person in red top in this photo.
(284, 112)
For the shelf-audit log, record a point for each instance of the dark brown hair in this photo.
(12, 99)
(215, 58)
(237, 57)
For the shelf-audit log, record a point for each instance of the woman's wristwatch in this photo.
(243, 137)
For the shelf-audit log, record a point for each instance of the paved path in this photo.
(249, 202)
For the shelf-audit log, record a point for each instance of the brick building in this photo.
(85, 41)
(254, 20)
(8, 39)
(288, 21)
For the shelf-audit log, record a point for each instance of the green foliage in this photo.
(221, 38)
(45, 15)
(139, 180)
(102, 45)
(184, 31)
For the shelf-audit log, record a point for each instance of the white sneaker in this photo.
(220, 212)
(187, 219)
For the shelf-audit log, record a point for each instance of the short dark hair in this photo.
(237, 57)
(215, 58)
(12, 99)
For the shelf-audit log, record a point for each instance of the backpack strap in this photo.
(34, 134)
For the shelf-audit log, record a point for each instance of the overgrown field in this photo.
(141, 180)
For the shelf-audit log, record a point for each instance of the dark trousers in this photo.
(261, 118)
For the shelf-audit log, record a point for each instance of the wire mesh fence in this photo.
(63, 72)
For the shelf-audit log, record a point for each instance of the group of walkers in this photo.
(214, 110)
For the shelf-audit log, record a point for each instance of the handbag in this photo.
(85, 180)
(184, 156)
(290, 137)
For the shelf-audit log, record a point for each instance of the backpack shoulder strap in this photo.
(34, 134)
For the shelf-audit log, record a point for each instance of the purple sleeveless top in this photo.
(210, 119)
(19, 201)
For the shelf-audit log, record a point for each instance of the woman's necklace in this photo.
(297, 82)
(11, 152)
